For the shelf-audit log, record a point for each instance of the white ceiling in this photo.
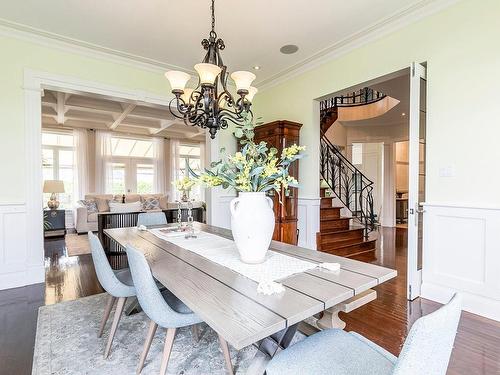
(170, 31)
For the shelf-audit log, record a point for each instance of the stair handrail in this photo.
(363, 195)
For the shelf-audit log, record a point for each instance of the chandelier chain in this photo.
(213, 15)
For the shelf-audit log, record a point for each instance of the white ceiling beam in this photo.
(199, 132)
(60, 107)
(122, 117)
(164, 125)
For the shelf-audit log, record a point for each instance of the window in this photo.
(132, 168)
(58, 163)
(189, 154)
(145, 178)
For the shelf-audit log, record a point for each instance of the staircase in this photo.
(344, 236)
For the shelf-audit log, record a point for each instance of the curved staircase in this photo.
(344, 235)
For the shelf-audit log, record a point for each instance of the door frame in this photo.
(35, 82)
(418, 72)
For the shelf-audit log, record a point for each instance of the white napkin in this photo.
(330, 266)
(270, 287)
(142, 227)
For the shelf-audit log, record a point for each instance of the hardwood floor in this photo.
(386, 320)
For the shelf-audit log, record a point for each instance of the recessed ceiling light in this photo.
(289, 49)
(256, 67)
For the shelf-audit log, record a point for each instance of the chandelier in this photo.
(210, 105)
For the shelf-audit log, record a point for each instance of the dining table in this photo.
(230, 302)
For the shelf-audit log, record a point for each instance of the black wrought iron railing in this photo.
(347, 182)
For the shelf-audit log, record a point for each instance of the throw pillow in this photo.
(125, 207)
(90, 204)
(102, 204)
(150, 204)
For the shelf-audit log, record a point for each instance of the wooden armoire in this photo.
(280, 134)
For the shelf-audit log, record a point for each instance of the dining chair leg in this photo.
(169, 341)
(116, 319)
(195, 330)
(227, 356)
(107, 311)
(147, 345)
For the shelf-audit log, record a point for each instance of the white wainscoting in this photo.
(222, 213)
(462, 254)
(19, 265)
(308, 221)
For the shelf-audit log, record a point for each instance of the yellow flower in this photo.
(210, 180)
(270, 168)
(290, 152)
(184, 184)
(238, 158)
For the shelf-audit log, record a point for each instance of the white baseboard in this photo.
(472, 303)
(28, 276)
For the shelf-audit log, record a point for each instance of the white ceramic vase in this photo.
(252, 223)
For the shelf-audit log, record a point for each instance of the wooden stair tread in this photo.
(354, 242)
(334, 218)
(341, 231)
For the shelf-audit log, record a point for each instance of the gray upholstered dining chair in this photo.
(164, 309)
(151, 218)
(427, 350)
(118, 284)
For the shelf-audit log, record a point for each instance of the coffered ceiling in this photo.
(64, 110)
(167, 33)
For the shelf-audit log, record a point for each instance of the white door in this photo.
(416, 172)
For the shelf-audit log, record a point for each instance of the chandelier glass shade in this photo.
(210, 105)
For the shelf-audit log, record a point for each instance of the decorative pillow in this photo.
(125, 207)
(151, 203)
(90, 204)
(102, 204)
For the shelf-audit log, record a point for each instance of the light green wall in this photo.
(460, 46)
(18, 55)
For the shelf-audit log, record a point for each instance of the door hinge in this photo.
(409, 289)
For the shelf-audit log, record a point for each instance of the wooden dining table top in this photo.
(228, 301)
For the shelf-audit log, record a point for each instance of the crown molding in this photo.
(67, 44)
(394, 22)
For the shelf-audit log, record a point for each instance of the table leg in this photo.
(269, 347)
(134, 307)
(331, 319)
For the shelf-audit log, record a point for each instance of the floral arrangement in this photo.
(184, 184)
(256, 168)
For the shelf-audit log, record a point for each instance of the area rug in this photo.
(67, 343)
(77, 244)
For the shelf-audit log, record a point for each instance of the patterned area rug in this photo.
(67, 343)
(77, 244)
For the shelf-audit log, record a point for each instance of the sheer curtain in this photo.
(81, 177)
(174, 167)
(202, 167)
(103, 162)
(159, 165)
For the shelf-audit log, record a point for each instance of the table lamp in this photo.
(53, 187)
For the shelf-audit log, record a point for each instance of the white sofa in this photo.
(85, 222)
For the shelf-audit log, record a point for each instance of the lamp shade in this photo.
(53, 186)
(187, 96)
(251, 93)
(243, 79)
(177, 79)
(207, 72)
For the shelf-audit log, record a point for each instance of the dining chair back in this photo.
(428, 346)
(105, 274)
(150, 298)
(151, 218)
(118, 284)
(164, 309)
(427, 350)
